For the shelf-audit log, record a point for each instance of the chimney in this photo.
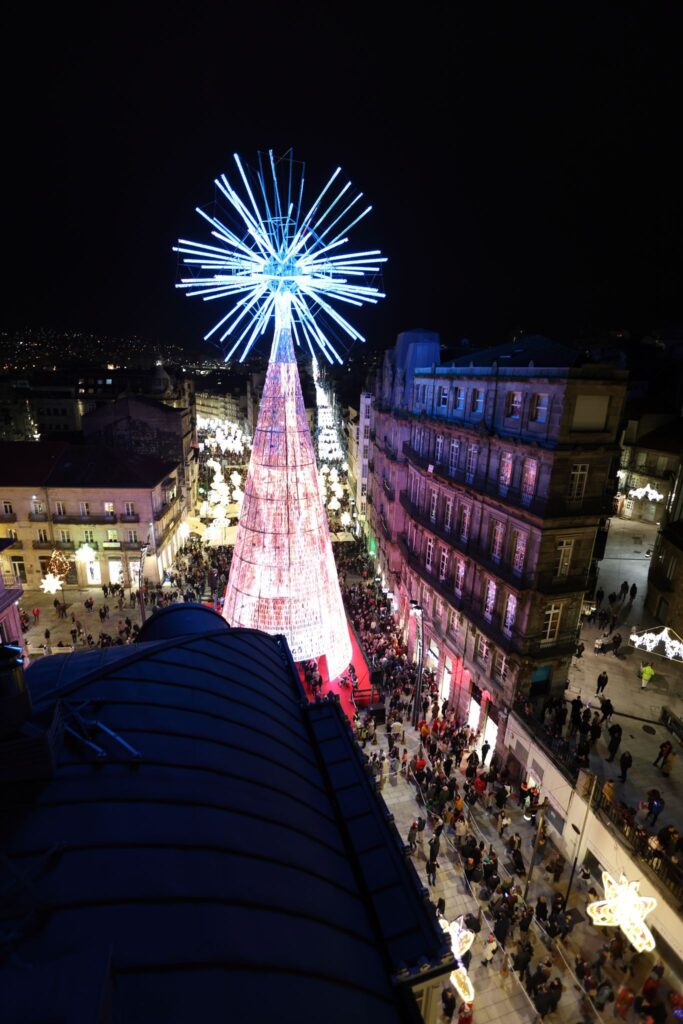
(15, 700)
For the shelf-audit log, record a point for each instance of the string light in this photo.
(645, 492)
(623, 907)
(673, 645)
(59, 565)
(461, 940)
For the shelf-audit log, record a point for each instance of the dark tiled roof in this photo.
(668, 437)
(243, 865)
(530, 349)
(56, 464)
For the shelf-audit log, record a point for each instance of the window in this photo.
(132, 536)
(510, 613)
(433, 503)
(497, 534)
(7, 506)
(590, 412)
(505, 472)
(414, 488)
(38, 508)
(437, 608)
(500, 667)
(577, 481)
(59, 508)
(438, 449)
(448, 516)
(366, 432)
(662, 463)
(42, 536)
(471, 462)
(459, 400)
(443, 397)
(529, 472)
(465, 521)
(429, 554)
(641, 460)
(366, 450)
(64, 537)
(453, 622)
(85, 508)
(459, 581)
(551, 622)
(563, 558)
(477, 402)
(89, 536)
(443, 564)
(483, 649)
(12, 535)
(513, 405)
(539, 408)
(411, 536)
(518, 551)
(109, 508)
(112, 536)
(453, 457)
(489, 599)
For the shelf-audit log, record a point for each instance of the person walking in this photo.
(490, 947)
(486, 746)
(599, 596)
(623, 1001)
(665, 749)
(412, 837)
(632, 592)
(616, 644)
(431, 869)
(668, 763)
(625, 762)
(448, 1003)
(36, 615)
(646, 674)
(655, 807)
(607, 708)
(603, 679)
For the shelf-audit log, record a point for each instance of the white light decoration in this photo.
(50, 584)
(334, 505)
(623, 907)
(646, 492)
(183, 531)
(86, 554)
(461, 940)
(345, 519)
(673, 645)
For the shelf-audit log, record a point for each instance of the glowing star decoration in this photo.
(345, 519)
(649, 641)
(623, 907)
(646, 492)
(281, 260)
(50, 584)
(86, 554)
(461, 940)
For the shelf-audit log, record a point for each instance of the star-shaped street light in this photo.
(50, 584)
(624, 907)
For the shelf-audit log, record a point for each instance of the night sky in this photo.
(521, 158)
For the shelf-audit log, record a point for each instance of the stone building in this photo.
(493, 477)
(59, 496)
(149, 427)
(357, 429)
(650, 463)
(10, 626)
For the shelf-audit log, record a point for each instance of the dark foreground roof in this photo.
(241, 868)
(56, 464)
(530, 350)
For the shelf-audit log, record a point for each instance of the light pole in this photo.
(539, 826)
(581, 833)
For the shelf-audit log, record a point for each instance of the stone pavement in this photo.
(637, 710)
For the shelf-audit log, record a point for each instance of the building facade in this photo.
(492, 479)
(650, 463)
(10, 625)
(57, 496)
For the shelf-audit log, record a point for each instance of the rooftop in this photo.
(57, 464)
(667, 437)
(227, 853)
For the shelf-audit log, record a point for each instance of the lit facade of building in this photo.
(650, 463)
(10, 626)
(56, 496)
(358, 426)
(492, 480)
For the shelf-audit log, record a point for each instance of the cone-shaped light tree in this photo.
(284, 264)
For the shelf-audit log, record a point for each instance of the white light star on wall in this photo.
(461, 940)
(86, 554)
(624, 907)
(645, 492)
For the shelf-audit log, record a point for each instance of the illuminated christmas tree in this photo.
(285, 265)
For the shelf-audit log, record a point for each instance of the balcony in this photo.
(131, 517)
(111, 545)
(42, 545)
(385, 527)
(131, 545)
(38, 517)
(443, 470)
(164, 509)
(64, 545)
(390, 451)
(549, 507)
(444, 586)
(450, 537)
(8, 517)
(106, 518)
(388, 489)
